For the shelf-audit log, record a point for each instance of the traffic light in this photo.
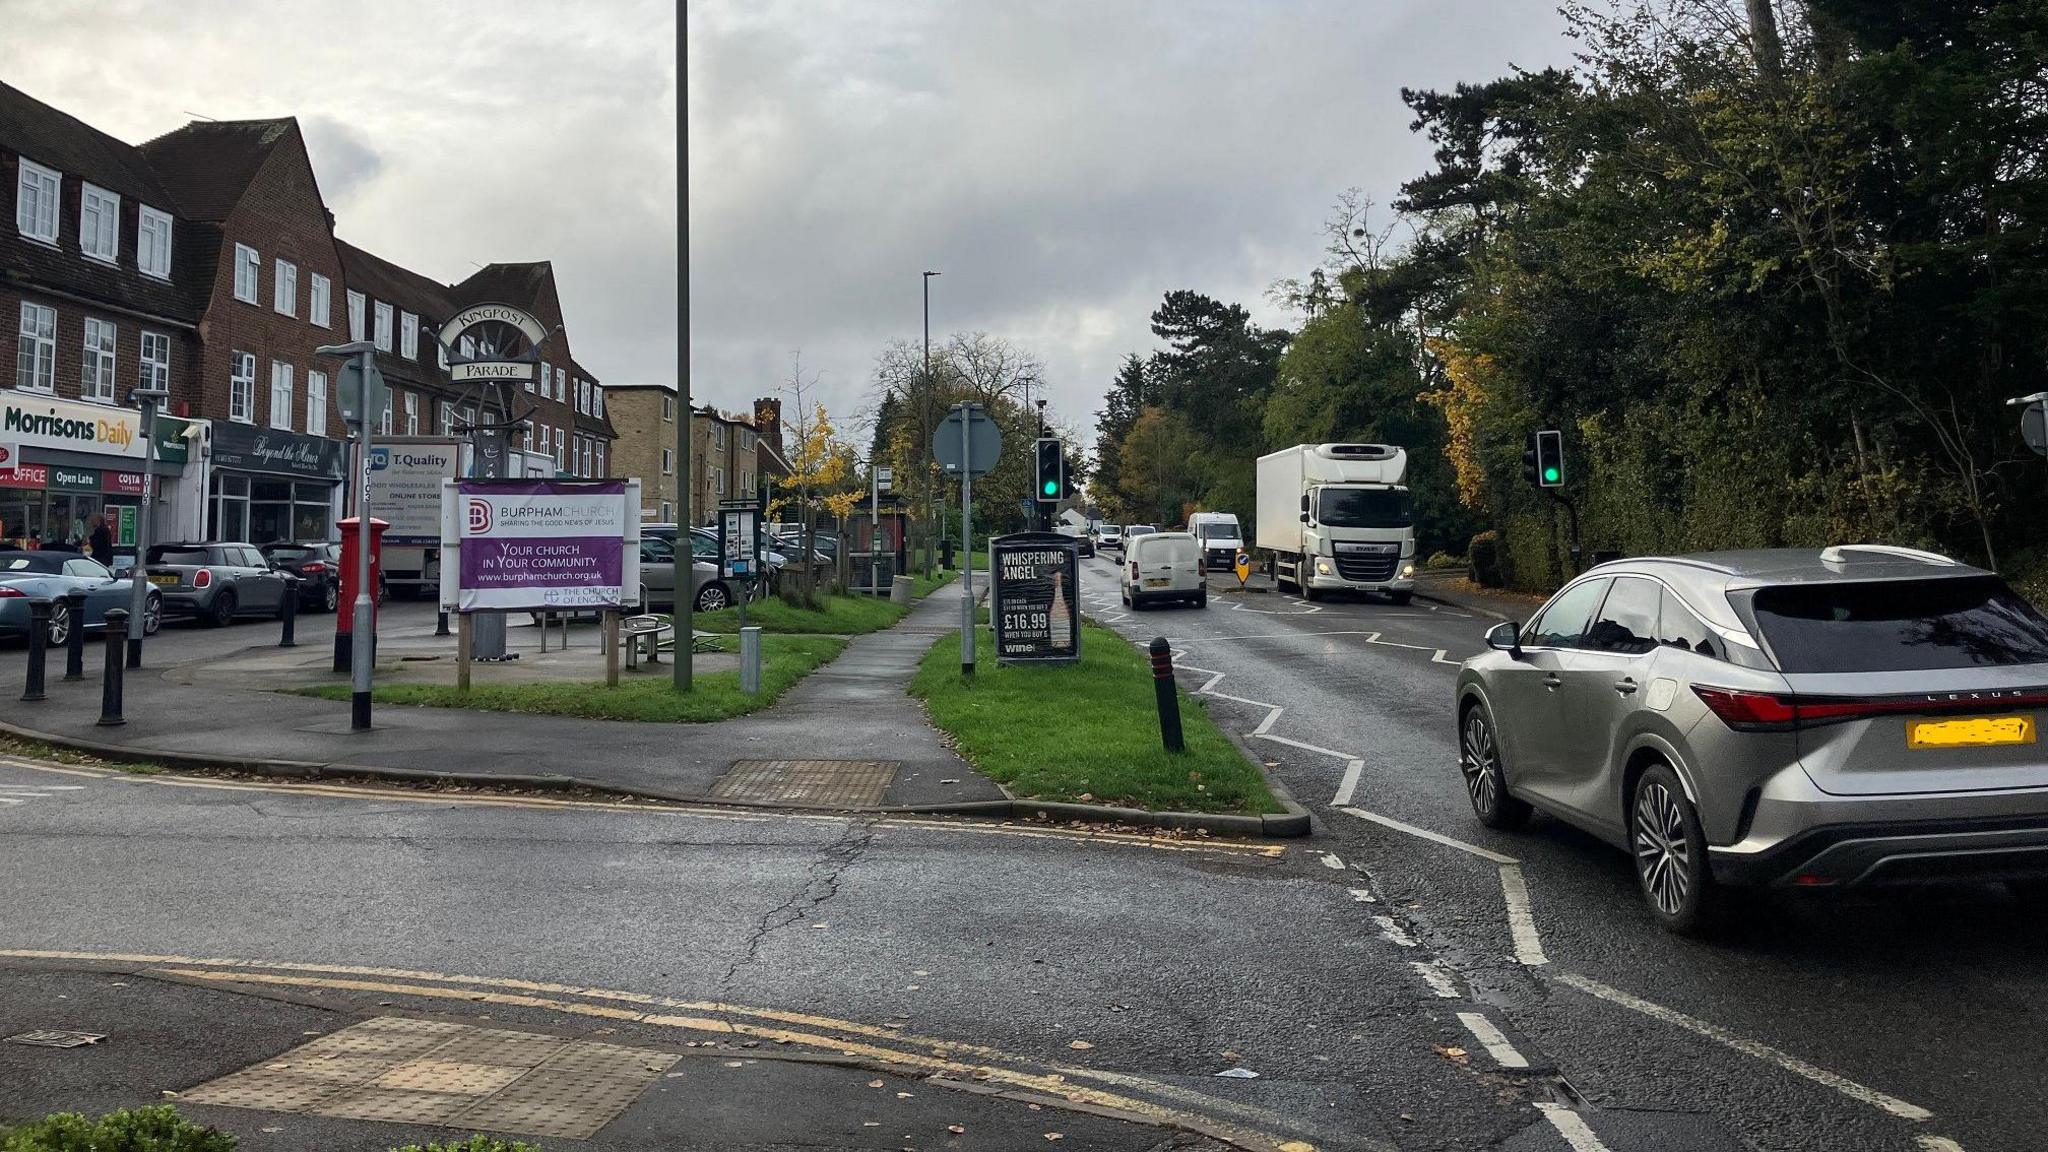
(1052, 470)
(1543, 459)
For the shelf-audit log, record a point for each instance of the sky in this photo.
(1063, 163)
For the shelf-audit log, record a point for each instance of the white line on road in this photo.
(1938, 1144)
(1363, 896)
(5, 800)
(1748, 1047)
(1426, 834)
(1443, 657)
(1573, 1128)
(42, 787)
(1317, 749)
(1491, 1039)
(1332, 860)
(1392, 932)
(1521, 921)
(1349, 784)
(1434, 975)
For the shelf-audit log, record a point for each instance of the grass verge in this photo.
(837, 616)
(1087, 732)
(38, 750)
(714, 695)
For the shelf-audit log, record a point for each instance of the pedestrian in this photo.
(35, 541)
(102, 541)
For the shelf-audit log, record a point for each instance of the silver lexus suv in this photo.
(1792, 717)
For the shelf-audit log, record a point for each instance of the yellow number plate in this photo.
(170, 580)
(1157, 581)
(1974, 731)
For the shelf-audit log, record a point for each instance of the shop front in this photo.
(62, 463)
(269, 485)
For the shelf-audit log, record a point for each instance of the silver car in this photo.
(1796, 718)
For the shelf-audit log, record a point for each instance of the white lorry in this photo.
(1337, 516)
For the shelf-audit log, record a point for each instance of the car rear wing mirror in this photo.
(1505, 637)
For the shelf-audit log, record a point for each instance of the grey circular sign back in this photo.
(2034, 426)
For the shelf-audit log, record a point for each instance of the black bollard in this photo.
(1163, 688)
(110, 687)
(441, 625)
(289, 613)
(74, 647)
(38, 644)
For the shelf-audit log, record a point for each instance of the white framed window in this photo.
(447, 418)
(668, 512)
(412, 414)
(583, 395)
(746, 483)
(316, 405)
(718, 434)
(526, 438)
(668, 409)
(280, 394)
(355, 315)
(154, 362)
(242, 387)
(153, 243)
(529, 381)
(96, 370)
(408, 336)
(36, 195)
(668, 461)
(319, 301)
(99, 224)
(248, 266)
(386, 417)
(382, 334)
(597, 401)
(467, 347)
(600, 459)
(543, 438)
(441, 350)
(746, 439)
(718, 481)
(284, 291)
(35, 365)
(561, 449)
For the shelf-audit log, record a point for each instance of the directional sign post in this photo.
(1244, 566)
(967, 443)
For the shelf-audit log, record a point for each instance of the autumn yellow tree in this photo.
(821, 473)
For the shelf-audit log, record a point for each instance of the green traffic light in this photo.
(1052, 487)
(1551, 475)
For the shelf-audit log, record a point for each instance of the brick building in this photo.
(731, 455)
(206, 260)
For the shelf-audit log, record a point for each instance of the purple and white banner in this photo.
(537, 544)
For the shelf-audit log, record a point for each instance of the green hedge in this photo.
(155, 1129)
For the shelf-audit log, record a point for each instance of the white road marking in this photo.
(1938, 1144)
(42, 787)
(1392, 932)
(5, 800)
(1349, 784)
(1363, 896)
(1573, 1128)
(1748, 1047)
(1521, 921)
(1426, 834)
(1443, 657)
(1491, 1039)
(89, 775)
(1305, 747)
(1332, 860)
(1434, 975)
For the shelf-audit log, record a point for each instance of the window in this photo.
(1677, 627)
(529, 381)
(412, 414)
(154, 371)
(441, 353)
(382, 337)
(447, 418)
(668, 461)
(153, 243)
(746, 483)
(668, 512)
(600, 459)
(317, 301)
(242, 387)
(746, 439)
(547, 380)
(384, 418)
(718, 481)
(99, 224)
(35, 201)
(1900, 625)
(583, 397)
(543, 438)
(718, 434)
(561, 448)
(409, 336)
(284, 293)
(316, 405)
(247, 267)
(469, 347)
(355, 315)
(1628, 620)
(527, 438)
(96, 371)
(35, 367)
(280, 394)
(668, 409)
(1566, 617)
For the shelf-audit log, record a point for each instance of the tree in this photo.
(821, 468)
(1120, 408)
(1161, 475)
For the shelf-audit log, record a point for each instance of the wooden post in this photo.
(464, 636)
(611, 649)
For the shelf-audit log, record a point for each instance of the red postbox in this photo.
(345, 606)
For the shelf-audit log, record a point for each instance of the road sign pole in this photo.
(874, 530)
(364, 655)
(967, 539)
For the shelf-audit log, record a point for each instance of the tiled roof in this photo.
(56, 140)
(207, 165)
(518, 284)
(380, 279)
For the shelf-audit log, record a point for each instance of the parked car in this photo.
(1084, 544)
(658, 576)
(1789, 718)
(1161, 566)
(218, 582)
(27, 575)
(318, 567)
(1110, 537)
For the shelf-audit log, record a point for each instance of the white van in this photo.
(1163, 566)
(1220, 537)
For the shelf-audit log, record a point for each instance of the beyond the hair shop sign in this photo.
(246, 449)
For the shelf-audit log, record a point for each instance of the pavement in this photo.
(852, 709)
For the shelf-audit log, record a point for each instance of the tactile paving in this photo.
(810, 783)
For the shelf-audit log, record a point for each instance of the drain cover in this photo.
(811, 783)
(52, 1038)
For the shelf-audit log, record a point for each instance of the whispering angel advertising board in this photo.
(528, 545)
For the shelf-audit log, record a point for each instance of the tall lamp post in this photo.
(359, 391)
(686, 596)
(925, 442)
(138, 596)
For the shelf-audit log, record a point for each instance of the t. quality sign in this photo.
(537, 544)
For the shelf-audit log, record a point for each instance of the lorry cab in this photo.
(1338, 517)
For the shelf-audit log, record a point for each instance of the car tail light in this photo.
(1769, 711)
(314, 567)
(202, 578)
(1748, 711)
(7, 593)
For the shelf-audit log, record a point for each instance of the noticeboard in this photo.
(1032, 603)
(739, 543)
(526, 545)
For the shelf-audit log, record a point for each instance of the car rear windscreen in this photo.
(1168, 550)
(178, 556)
(290, 555)
(1899, 626)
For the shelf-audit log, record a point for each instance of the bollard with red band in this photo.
(1163, 688)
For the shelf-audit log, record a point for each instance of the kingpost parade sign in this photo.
(527, 545)
(1032, 606)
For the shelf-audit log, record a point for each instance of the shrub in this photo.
(1444, 560)
(473, 1144)
(154, 1129)
(1484, 563)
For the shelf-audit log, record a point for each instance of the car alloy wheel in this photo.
(223, 610)
(60, 623)
(1670, 852)
(1485, 785)
(152, 615)
(331, 597)
(713, 597)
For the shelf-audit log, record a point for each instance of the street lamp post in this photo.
(138, 596)
(925, 441)
(363, 653)
(686, 587)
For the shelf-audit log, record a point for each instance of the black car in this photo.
(318, 566)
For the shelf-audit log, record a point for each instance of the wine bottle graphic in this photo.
(1060, 618)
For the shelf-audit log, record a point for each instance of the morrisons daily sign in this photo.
(95, 428)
